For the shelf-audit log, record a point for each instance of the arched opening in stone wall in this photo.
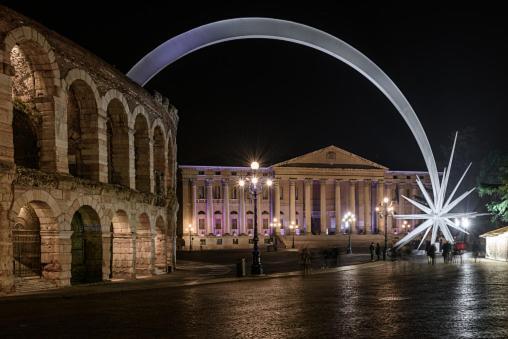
(143, 246)
(86, 240)
(142, 154)
(121, 250)
(26, 145)
(36, 250)
(32, 94)
(26, 241)
(118, 144)
(82, 131)
(171, 166)
(159, 161)
(160, 246)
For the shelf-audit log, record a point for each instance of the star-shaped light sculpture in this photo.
(437, 214)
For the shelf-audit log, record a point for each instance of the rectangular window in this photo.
(235, 241)
(281, 194)
(250, 223)
(218, 223)
(296, 193)
(201, 173)
(219, 241)
(217, 173)
(265, 223)
(233, 173)
(202, 241)
(216, 192)
(234, 224)
(201, 192)
(265, 194)
(234, 193)
(201, 224)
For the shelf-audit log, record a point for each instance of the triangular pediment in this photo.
(330, 157)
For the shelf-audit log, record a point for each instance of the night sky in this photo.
(276, 100)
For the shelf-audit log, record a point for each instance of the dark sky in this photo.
(279, 100)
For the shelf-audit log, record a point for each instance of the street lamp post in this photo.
(384, 209)
(349, 219)
(253, 183)
(292, 229)
(190, 238)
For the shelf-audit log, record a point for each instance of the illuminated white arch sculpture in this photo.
(267, 28)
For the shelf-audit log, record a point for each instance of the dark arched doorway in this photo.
(86, 241)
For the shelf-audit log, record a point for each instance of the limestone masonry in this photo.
(87, 165)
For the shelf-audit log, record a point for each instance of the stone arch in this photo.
(35, 88)
(144, 246)
(83, 125)
(139, 110)
(161, 250)
(122, 246)
(118, 139)
(159, 159)
(142, 153)
(91, 203)
(86, 246)
(47, 255)
(268, 28)
(39, 195)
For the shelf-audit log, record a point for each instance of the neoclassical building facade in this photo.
(312, 192)
(87, 165)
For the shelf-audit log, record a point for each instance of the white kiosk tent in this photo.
(496, 246)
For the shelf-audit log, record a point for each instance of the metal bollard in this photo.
(240, 268)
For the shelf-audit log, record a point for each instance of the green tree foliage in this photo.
(493, 184)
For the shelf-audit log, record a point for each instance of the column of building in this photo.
(307, 205)
(360, 217)
(209, 206)
(381, 222)
(292, 201)
(276, 198)
(194, 206)
(414, 210)
(389, 195)
(338, 215)
(368, 211)
(241, 211)
(322, 193)
(225, 206)
(402, 205)
(352, 201)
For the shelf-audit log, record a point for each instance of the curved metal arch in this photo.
(268, 28)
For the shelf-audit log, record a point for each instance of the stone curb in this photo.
(133, 285)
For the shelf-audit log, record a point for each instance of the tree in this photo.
(493, 183)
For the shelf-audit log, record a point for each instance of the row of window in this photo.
(217, 193)
(234, 223)
(235, 241)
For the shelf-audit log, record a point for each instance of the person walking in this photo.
(446, 252)
(432, 251)
(306, 261)
(378, 251)
(476, 250)
(427, 250)
(371, 249)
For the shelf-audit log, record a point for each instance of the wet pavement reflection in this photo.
(398, 299)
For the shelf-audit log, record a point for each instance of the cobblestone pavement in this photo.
(393, 299)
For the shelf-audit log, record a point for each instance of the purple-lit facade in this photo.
(313, 191)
